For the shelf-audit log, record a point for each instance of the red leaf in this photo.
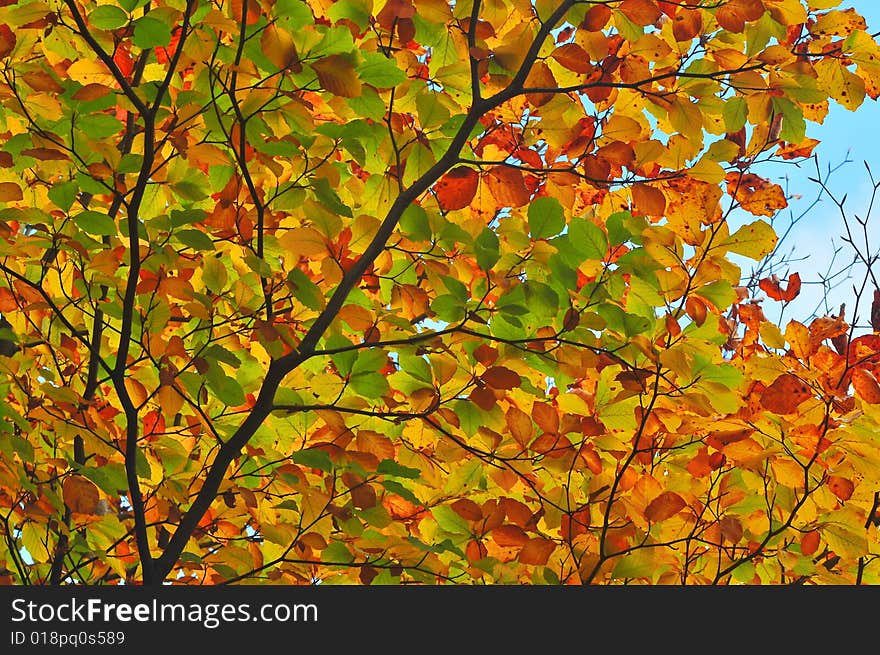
(810, 543)
(771, 286)
(7, 40)
(457, 188)
(664, 506)
(785, 395)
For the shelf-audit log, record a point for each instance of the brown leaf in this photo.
(80, 494)
(45, 154)
(875, 311)
(10, 191)
(457, 188)
(467, 509)
(499, 377)
(278, 46)
(731, 529)
(664, 506)
(546, 417)
(91, 92)
(786, 394)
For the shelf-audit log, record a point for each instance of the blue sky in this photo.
(844, 135)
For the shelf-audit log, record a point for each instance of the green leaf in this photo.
(720, 294)
(369, 385)
(328, 197)
(99, 126)
(63, 195)
(108, 17)
(588, 238)
(151, 33)
(448, 308)
(214, 274)
(225, 388)
(195, 239)
(546, 218)
(305, 291)
(449, 520)
(754, 240)
(96, 223)
(486, 249)
(380, 71)
(469, 416)
(396, 488)
(735, 113)
(353, 10)
(313, 458)
(390, 467)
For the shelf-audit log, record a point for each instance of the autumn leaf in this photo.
(664, 506)
(457, 188)
(80, 494)
(785, 394)
(773, 288)
(425, 293)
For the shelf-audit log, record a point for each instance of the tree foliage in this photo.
(397, 291)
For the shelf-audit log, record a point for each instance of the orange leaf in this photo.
(771, 286)
(337, 75)
(840, 487)
(797, 150)
(277, 44)
(664, 506)
(537, 551)
(499, 377)
(866, 386)
(7, 300)
(80, 494)
(507, 186)
(457, 188)
(687, 24)
(509, 535)
(540, 77)
(755, 194)
(520, 425)
(785, 395)
(573, 57)
(640, 12)
(91, 91)
(649, 200)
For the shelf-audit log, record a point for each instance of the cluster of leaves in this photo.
(387, 291)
